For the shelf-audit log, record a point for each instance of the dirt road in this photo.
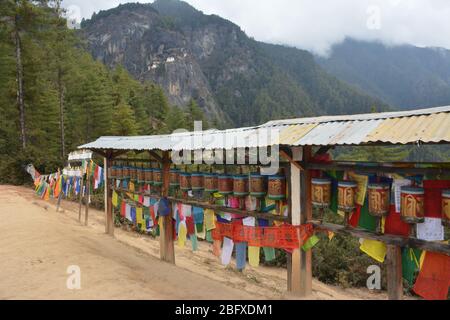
(38, 244)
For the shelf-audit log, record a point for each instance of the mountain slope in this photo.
(404, 76)
(235, 79)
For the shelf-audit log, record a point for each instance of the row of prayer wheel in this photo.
(411, 204)
(254, 184)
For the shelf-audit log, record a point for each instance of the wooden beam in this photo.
(157, 157)
(214, 207)
(374, 168)
(88, 191)
(166, 243)
(386, 238)
(109, 227)
(305, 216)
(394, 272)
(289, 158)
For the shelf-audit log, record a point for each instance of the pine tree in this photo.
(124, 121)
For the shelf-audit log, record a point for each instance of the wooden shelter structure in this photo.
(293, 141)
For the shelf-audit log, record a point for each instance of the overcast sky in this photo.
(316, 25)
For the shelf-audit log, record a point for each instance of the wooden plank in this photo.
(81, 198)
(166, 243)
(394, 272)
(305, 216)
(386, 238)
(109, 211)
(214, 207)
(374, 168)
(88, 187)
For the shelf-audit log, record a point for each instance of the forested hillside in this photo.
(234, 78)
(54, 96)
(405, 76)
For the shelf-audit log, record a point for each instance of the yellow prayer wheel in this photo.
(320, 192)
(378, 194)
(346, 195)
(412, 205)
(446, 208)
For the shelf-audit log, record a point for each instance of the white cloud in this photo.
(318, 24)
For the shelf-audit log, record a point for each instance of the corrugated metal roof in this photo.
(425, 125)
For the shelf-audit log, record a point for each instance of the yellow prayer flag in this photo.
(375, 249)
(210, 218)
(115, 200)
(422, 258)
(139, 218)
(253, 256)
(362, 182)
(330, 235)
(182, 230)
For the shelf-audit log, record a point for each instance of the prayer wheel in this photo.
(119, 174)
(141, 174)
(258, 187)
(225, 184)
(378, 194)
(210, 182)
(446, 208)
(346, 195)
(412, 205)
(276, 187)
(126, 172)
(133, 172)
(197, 181)
(114, 171)
(157, 177)
(174, 177)
(240, 185)
(320, 193)
(185, 181)
(148, 175)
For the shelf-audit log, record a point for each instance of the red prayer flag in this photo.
(433, 197)
(394, 225)
(190, 225)
(354, 219)
(434, 277)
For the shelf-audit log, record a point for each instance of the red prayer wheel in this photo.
(258, 187)
(174, 177)
(148, 175)
(225, 184)
(240, 185)
(346, 195)
(276, 187)
(157, 177)
(320, 192)
(141, 174)
(378, 194)
(125, 172)
(210, 181)
(446, 208)
(185, 181)
(412, 205)
(133, 172)
(197, 181)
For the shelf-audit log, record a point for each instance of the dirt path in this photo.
(37, 244)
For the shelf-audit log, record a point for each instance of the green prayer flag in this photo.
(194, 242)
(335, 177)
(208, 236)
(366, 221)
(269, 253)
(310, 243)
(410, 264)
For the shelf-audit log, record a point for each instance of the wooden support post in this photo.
(394, 272)
(81, 198)
(166, 245)
(88, 191)
(299, 264)
(109, 221)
